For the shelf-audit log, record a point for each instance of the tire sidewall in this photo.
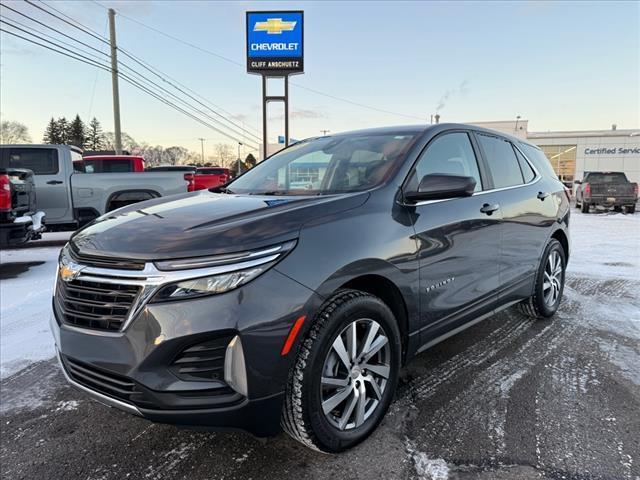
(542, 306)
(328, 436)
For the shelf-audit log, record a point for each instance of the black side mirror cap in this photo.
(439, 186)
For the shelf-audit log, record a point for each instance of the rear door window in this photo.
(43, 161)
(502, 161)
(527, 171)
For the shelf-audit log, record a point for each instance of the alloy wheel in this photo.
(552, 278)
(355, 374)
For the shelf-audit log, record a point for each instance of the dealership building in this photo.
(572, 153)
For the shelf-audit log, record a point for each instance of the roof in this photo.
(585, 133)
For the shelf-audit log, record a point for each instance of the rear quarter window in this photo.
(539, 160)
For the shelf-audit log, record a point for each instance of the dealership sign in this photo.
(275, 43)
(612, 151)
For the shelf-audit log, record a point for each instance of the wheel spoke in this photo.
(380, 370)
(335, 382)
(378, 343)
(362, 403)
(346, 415)
(371, 334)
(374, 385)
(352, 341)
(338, 346)
(337, 399)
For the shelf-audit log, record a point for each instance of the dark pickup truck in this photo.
(607, 189)
(19, 221)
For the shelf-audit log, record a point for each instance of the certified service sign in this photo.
(275, 43)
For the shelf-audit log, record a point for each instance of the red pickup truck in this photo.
(109, 164)
(210, 177)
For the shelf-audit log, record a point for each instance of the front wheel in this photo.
(345, 374)
(549, 285)
(584, 207)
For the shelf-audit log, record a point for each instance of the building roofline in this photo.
(585, 133)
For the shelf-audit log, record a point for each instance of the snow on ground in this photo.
(26, 285)
(603, 245)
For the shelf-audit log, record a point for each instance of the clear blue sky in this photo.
(563, 66)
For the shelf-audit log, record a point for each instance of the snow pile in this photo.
(67, 406)
(428, 468)
(25, 307)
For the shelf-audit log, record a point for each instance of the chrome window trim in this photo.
(535, 180)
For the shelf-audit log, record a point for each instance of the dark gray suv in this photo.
(291, 297)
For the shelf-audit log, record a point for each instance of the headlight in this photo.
(198, 287)
(200, 276)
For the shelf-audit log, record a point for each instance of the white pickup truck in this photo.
(71, 199)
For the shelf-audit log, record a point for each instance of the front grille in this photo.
(203, 361)
(97, 305)
(105, 262)
(100, 380)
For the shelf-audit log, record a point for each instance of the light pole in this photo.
(324, 132)
(239, 145)
(202, 148)
(517, 120)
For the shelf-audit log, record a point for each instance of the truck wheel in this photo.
(549, 283)
(630, 209)
(345, 374)
(584, 207)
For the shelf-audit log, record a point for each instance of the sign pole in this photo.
(286, 111)
(264, 117)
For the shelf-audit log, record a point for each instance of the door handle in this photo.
(54, 182)
(542, 195)
(489, 208)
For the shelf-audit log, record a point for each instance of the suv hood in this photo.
(204, 223)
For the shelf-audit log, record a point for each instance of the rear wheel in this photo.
(584, 207)
(630, 209)
(549, 283)
(345, 374)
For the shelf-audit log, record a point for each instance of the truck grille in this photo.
(97, 305)
(99, 380)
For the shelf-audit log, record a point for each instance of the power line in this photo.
(145, 65)
(230, 60)
(125, 77)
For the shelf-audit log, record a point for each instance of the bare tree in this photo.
(14, 132)
(224, 153)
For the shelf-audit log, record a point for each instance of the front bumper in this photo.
(139, 360)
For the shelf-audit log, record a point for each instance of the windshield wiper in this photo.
(271, 193)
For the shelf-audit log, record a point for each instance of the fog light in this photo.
(235, 372)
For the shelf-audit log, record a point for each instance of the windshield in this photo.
(326, 165)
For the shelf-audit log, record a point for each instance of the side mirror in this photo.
(438, 186)
(577, 182)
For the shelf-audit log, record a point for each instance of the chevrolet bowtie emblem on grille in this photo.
(69, 271)
(274, 26)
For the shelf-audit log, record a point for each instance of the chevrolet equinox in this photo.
(291, 297)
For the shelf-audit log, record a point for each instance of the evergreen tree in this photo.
(52, 132)
(77, 135)
(63, 130)
(250, 161)
(95, 137)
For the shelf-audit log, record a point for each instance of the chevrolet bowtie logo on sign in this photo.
(275, 43)
(274, 26)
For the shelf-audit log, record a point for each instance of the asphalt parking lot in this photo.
(510, 398)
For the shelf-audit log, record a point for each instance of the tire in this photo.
(538, 306)
(303, 416)
(584, 207)
(630, 209)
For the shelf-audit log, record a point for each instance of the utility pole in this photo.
(114, 81)
(324, 132)
(202, 148)
(239, 170)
